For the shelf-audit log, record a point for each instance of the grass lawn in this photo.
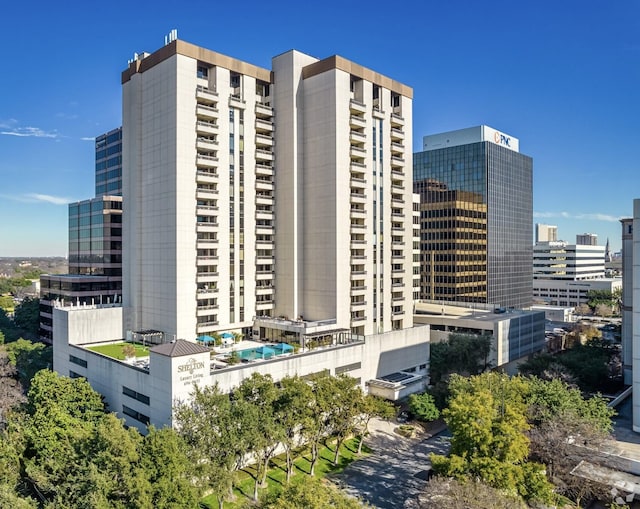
(277, 475)
(115, 350)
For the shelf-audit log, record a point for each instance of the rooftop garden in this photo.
(121, 350)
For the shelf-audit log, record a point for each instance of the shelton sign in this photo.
(188, 369)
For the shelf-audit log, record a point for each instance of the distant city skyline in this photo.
(561, 77)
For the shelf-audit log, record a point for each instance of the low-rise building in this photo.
(516, 334)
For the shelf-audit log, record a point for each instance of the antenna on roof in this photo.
(171, 36)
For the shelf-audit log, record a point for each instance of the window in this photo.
(78, 361)
(203, 72)
(73, 374)
(135, 395)
(135, 414)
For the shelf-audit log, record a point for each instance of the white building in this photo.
(274, 202)
(564, 273)
(627, 299)
(635, 304)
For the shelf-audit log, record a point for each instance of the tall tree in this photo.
(292, 412)
(28, 358)
(260, 422)
(312, 494)
(210, 426)
(342, 397)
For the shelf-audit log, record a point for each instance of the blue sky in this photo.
(563, 77)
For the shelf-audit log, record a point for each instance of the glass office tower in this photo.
(476, 218)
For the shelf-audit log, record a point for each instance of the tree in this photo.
(291, 410)
(259, 423)
(603, 310)
(487, 420)
(372, 406)
(128, 351)
(448, 493)
(423, 406)
(342, 396)
(583, 309)
(7, 303)
(209, 425)
(463, 354)
(27, 315)
(320, 406)
(29, 358)
(312, 494)
(164, 474)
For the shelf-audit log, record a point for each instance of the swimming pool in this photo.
(264, 352)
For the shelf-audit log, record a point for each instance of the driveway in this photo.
(396, 469)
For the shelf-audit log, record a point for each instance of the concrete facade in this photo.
(145, 390)
(627, 298)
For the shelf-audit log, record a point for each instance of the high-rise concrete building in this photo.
(277, 203)
(587, 239)
(546, 233)
(476, 218)
(635, 305)
(203, 136)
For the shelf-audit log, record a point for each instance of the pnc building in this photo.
(476, 218)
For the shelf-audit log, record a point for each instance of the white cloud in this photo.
(33, 132)
(38, 198)
(589, 217)
(87, 138)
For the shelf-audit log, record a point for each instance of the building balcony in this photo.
(263, 214)
(203, 127)
(204, 261)
(395, 198)
(358, 289)
(358, 318)
(264, 229)
(263, 110)
(235, 101)
(357, 121)
(206, 95)
(264, 141)
(357, 242)
(207, 310)
(358, 304)
(397, 299)
(203, 227)
(263, 125)
(397, 271)
(265, 260)
(356, 151)
(263, 168)
(206, 193)
(264, 305)
(264, 199)
(397, 285)
(358, 197)
(397, 171)
(206, 144)
(397, 120)
(264, 185)
(357, 106)
(357, 213)
(397, 147)
(398, 161)
(397, 313)
(397, 134)
(207, 326)
(264, 155)
(358, 226)
(206, 277)
(264, 275)
(265, 290)
(357, 137)
(206, 177)
(207, 210)
(358, 182)
(203, 161)
(206, 112)
(206, 243)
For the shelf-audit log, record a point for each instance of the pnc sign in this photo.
(501, 139)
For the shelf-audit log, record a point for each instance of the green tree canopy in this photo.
(423, 406)
(312, 494)
(27, 315)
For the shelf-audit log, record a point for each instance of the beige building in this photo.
(205, 139)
